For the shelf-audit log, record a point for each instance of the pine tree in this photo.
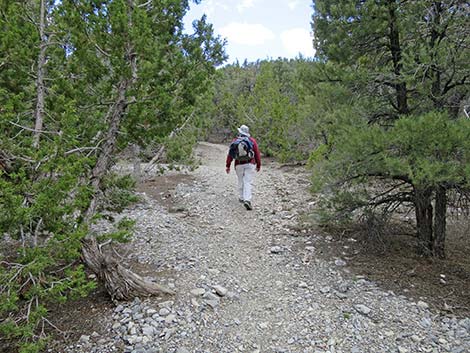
(393, 56)
(79, 80)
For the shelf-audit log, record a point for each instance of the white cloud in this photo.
(210, 6)
(292, 4)
(245, 4)
(247, 34)
(298, 40)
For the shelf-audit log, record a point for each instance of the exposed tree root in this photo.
(120, 283)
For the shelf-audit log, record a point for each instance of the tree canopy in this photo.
(79, 80)
(406, 65)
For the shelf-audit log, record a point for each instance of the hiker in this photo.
(244, 150)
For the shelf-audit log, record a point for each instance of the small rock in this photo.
(132, 330)
(325, 290)
(263, 325)
(170, 318)
(168, 304)
(148, 331)
(276, 250)
(132, 339)
(303, 285)
(198, 291)
(212, 303)
(194, 302)
(362, 309)
(458, 350)
(442, 341)
(232, 295)
(151, 312)
(210, 296)
(127, 311)
(402, 349)
(84, 339)
(422, 305)
(164, 312)
(138, 316)
(167, 333)
(425, 323)
(465, 323)
(221, 291)
(343, 287)
(182, 350)
(340, 262)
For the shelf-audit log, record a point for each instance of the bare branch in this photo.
(36, 131)
(81, 149)
(145, 4)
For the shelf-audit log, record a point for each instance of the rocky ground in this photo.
(253, 281)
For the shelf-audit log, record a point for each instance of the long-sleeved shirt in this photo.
(255, 160)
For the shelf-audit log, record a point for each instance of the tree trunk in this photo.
(136, 162)
(120, 283)
(424, 217)
(39, 110)
(440, 222)
(115, 113)
(395, 50)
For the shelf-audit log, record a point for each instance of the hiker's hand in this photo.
(258, 169)
(227, 170)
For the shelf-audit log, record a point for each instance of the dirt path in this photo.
(252, 281)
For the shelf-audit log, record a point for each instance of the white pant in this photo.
(245, 174)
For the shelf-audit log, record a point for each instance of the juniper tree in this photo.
(401, 60)
(111, 72)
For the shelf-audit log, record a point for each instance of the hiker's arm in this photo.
(257, 157)
(228, 162)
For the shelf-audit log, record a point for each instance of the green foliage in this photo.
(35, 347)
(123, 233)
(423, 152)
(40, 277)
(405, 66)
(285, 103)
(118, 192)
(179, 148)
(403, 57)
(45, 190)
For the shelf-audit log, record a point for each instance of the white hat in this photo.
(244, 130)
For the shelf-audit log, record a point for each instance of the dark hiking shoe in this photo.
(247, 205)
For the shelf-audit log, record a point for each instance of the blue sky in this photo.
(259, 29)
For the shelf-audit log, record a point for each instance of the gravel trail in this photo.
(252, 281)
